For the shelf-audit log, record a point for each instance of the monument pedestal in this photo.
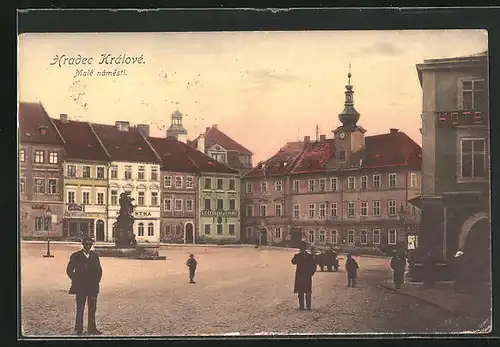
(143, 252)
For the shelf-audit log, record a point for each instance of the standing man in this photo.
(306, 267)
(191, 264)
(398, 265)
(84, 270)
(351, 267)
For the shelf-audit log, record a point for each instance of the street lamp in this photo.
(48, 216)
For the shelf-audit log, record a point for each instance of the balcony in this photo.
(461, 118)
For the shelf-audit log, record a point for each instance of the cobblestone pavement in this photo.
(243, 290)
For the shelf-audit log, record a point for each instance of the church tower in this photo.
(176, 129)
(349, 137)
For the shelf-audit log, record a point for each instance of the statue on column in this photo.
(125, 236)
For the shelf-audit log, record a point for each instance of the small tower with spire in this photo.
(176, 130)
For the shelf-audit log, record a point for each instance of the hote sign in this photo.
(212, 213)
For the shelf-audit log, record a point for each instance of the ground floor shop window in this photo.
(140, 229)
(322, 236)
(278, 233)
(151, 229)
(363, 237)
(231, 229)
(311, 236)
(42, 223)
(350, 236)
(334, 237)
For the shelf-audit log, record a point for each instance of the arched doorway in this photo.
(99, 230)
(477, 252)
(263, 237)
(188, 233)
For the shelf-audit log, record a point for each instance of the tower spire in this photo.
(349, 116)
(349, 75)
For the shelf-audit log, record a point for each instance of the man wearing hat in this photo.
(84, 270)
(191, 264)
(306, 267)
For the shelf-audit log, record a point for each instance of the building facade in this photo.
(455, 197)
(348, 191)
(41, 154)
(134, 169)
(85, 171)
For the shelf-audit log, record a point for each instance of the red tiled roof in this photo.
(81, 142)
(179, 157)
(214, 136)
(32, 116)
(280, 163)
(125, 145)
(315, 156)
(392, 149)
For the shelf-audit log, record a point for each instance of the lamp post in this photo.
(48, 215)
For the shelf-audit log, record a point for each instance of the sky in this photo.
(263, 89)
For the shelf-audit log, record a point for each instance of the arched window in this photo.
(141, 229)
(151, 229)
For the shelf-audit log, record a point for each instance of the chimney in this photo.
(122, 125)
(307, 139)
(394, 130)
(63, 117)
(201, 143)
(143, 129)
(322, 138)
(215, 126)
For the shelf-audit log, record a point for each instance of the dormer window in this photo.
(43, 130)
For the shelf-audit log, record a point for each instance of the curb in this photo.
(385, 285)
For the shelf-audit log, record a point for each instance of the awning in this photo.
(416, 201)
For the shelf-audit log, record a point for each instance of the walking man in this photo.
(191, 264)
(351, 267)
(84, 270)
(306, 267)
(398, 264)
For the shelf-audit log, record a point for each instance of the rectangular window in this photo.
(263, 187)
(140, 172)
(351, 209)
(154, 198)
(220, 183)
(42, 223)
(296, 211)
(232, 184)
(71, 197)
(473, 158)
(311, 236)
(322, 184)
(207, 229)
(100, 172)
(391, 237)
(154, 174)
(189, 205)
(363, 237)
(474, 95)
(296, 186)
(52, 186)
(263, 210)
(220, 204)
(278, 186)
(350, 236)
(53, 157)
(114, 197)
(100, 198)
(322, 236)
(189, 181)
(351, 183)
(334, 183)
(140, 198)
(39, 186)
(208, 204)
(249, 231)
(22, 182)
(22, 155)
(312, 210)
(86, 198)
(278, 210)
(167, 181)
(128, 172)
(335, 238)
(277, 233)
(39, 157)
(376, 181)
(71, 171)
(334, 210)
(322, 210)
(167, 204)
(376, 208)
(178, 204)
(231, 229)
(364, 208)
(151, 229)
(392, 180)
(364, 182)
(391, 208)
(342, 155)
(413, 180)
(232, 204)
(208, 183)
(249, 187)
(178, 182)
(249, 210)
(311, 185)
(376, 236)
(219, 229)
(86, 171)
(114, 172)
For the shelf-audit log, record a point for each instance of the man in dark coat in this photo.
(398, 264)
(84, 270)
(191, 264)
(429, 267)
(306, 267)
(351, 267)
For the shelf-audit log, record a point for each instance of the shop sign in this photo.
(76, 208)
(39, 206)
(84, 215)
(215, 213)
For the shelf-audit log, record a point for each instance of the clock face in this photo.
(342, 135)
